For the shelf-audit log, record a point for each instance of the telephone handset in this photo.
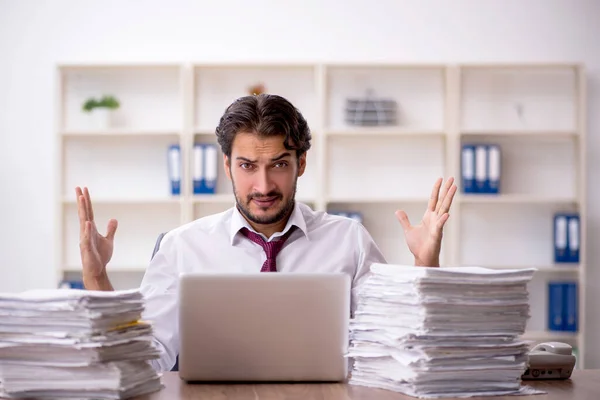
(551, 360)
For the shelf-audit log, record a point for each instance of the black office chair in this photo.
(156, 247)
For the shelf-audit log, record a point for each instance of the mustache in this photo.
(260, 196)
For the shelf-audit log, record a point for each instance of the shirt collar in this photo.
(238, 222)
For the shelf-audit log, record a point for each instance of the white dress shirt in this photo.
(323, 243)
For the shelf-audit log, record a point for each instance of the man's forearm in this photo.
(430, 263)
(97, 282)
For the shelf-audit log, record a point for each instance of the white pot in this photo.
(100, 119)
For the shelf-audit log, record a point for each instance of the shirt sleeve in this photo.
(160, 289)
(368, 253)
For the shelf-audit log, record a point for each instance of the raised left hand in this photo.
(425, 239)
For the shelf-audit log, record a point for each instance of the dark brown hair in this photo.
(265, 115)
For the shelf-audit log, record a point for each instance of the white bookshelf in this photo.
(535, 112)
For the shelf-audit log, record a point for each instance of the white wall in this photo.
(34, 35)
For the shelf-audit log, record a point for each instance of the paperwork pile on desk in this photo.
(439, 332)
(75, 344)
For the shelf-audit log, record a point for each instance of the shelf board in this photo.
(195, 199)
(384, 131)
(230, 199)
(213, 198)
(374, 200)
(516, 66)
(117, 66)
(115, 201)
(383, 64)
(252, 65)
(110, 268)
(545, 134)
(306, 200)
(550, 336)
(112, 133)
(513, 199)
(204, 132)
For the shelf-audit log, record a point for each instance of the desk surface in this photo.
(583, 385)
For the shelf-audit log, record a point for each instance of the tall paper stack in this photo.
(75, 344)
(438, 332)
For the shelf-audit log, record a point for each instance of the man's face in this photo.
(264, 175)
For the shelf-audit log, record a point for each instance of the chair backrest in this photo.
(156, 247)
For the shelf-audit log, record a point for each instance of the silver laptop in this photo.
(264, 327)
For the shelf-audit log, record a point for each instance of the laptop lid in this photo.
(264, 326)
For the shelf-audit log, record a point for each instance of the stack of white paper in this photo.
(437, 332)
(75, 344)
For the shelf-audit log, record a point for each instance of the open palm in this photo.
(424, 240)
(96, 249)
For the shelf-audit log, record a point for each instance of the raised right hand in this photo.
(96, 250)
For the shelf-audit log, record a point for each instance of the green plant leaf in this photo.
(106, 101)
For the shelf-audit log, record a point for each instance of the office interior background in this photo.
(174, 66)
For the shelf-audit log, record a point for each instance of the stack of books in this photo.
(69, 343)
(439, 332)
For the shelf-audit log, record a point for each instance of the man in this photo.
(264, 140)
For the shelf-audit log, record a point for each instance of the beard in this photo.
(285, 207)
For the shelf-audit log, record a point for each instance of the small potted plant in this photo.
(100, 110)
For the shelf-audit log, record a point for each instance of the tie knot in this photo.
(271, 248)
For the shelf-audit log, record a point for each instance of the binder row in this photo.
(562, 306)
(174, 160)
(566, 238)
(481, 168)
(204, 168)
(357, 216)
